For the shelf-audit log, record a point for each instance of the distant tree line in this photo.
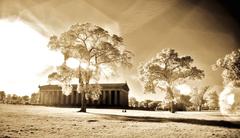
(200, 99)
(15, 99)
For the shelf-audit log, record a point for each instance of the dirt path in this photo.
(39, 121)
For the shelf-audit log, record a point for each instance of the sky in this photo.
(203, 29)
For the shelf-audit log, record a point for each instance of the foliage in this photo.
(2, 96)
(35, 98)
(154, 105)
(8, 98)
(212, 99)
(166, 70)
(144, 104)
(25, 99)
(95, 50)
(231, 67)
(133, 102)
(185, 100)
(197, 97)
(15, 99)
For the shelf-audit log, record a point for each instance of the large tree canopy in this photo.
(95, 49)
(231, 67)
(167, 68)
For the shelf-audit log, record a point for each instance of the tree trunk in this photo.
(172, 109)
(83, 102)
(199, 108)
(83, 98)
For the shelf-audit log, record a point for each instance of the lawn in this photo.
(39, 121)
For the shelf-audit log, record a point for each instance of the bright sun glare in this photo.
(72, 63)
(23, 56)
(230, 99)
(184, 89)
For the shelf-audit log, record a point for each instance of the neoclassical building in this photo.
(112, 95)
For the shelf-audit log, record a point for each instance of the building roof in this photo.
(123, 86)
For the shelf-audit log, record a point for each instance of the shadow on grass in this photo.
(219, 123)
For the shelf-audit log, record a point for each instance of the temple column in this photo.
(54, 97)
(57, 98)
(72, 97)
(61, 98)
(115, 98)
(64, 99)
(110, 97)
(43, 94)
(118, 97)
(67, 99)
(41, 98)
(48, 98)
(77, 98)
(45, 98)
(105, 97)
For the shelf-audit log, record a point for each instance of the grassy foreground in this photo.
(40, 121)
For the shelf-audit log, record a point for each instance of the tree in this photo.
(133, 102)
(9, 99)
(197, 97)
(95, 50)
(166, 70)
(184, 101)
(25, 99)
(230, 65)
(231, 68)
(154, 105)
(34, 98)
(212, 99)
(2, 96)
(15, 99)
(144, 104)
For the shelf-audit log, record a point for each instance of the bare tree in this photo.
(167, 69)
(95, 49)
(197, 97)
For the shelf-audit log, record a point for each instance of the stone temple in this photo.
(112, 95)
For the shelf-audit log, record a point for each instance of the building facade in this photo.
(112, 95)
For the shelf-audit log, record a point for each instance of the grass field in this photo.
(39, 121)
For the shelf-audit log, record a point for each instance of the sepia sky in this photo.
(203, 29)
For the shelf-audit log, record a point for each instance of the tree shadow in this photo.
(219, 123)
